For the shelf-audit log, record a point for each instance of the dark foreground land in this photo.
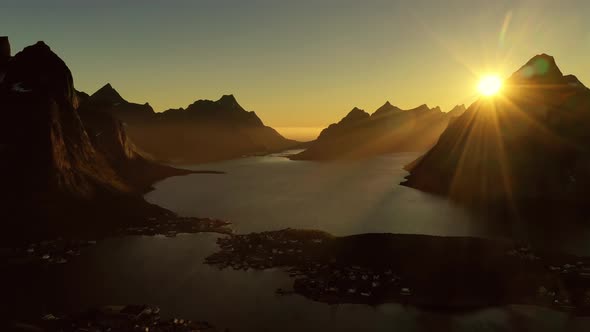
(113, 318)
(441, 273)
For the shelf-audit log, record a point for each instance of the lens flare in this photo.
(489, 85)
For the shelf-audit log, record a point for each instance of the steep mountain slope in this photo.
(528, 145)
(388, 129)
(58, 173)
(205, 131)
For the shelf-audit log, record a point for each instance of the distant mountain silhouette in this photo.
(73, 169)
(205, 131)
(107, 99)
(389, 129)
(531, 144)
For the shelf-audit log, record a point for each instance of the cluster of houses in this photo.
(555, 298)
(579, 269)
(132, 318)
(60, 251)
(576, 272)
(262, 251)
(49, 252)
(172, 225)
(351, 284)
(523, 253)
(317, 275)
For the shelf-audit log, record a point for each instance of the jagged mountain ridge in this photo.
(528, 145)
(205, 131)
(389, 129)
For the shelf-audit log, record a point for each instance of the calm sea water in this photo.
(269, 193)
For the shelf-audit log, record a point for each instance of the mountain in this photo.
(109, 100)
(389, 129)
(205, 131)
(457, 111)
(63, 169)
(529, 145)
(385, 110)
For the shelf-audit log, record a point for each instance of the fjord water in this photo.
(341, 197)
(270, 193)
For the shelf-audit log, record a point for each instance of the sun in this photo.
(489, 85)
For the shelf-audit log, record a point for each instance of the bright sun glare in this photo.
(489, 85)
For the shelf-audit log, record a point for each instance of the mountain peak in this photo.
(421, 108)
(108, 94)
(541, 67)
(228, 99)
(355, 114)
(41, 44)
(229, 102)
(386, 109)
(37, 68)
(457, 110)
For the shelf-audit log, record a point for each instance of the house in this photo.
(405, 291)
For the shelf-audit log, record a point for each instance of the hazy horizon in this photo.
(300, 66)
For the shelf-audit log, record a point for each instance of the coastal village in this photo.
(127, 318)
(326, 280)
(60, 250)
(322, 275)
(172, 225)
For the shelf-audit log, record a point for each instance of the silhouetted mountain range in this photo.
(60, 164)
(529, 144)
(205, 131)
(389, 129)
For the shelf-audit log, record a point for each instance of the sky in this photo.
(304, 64)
